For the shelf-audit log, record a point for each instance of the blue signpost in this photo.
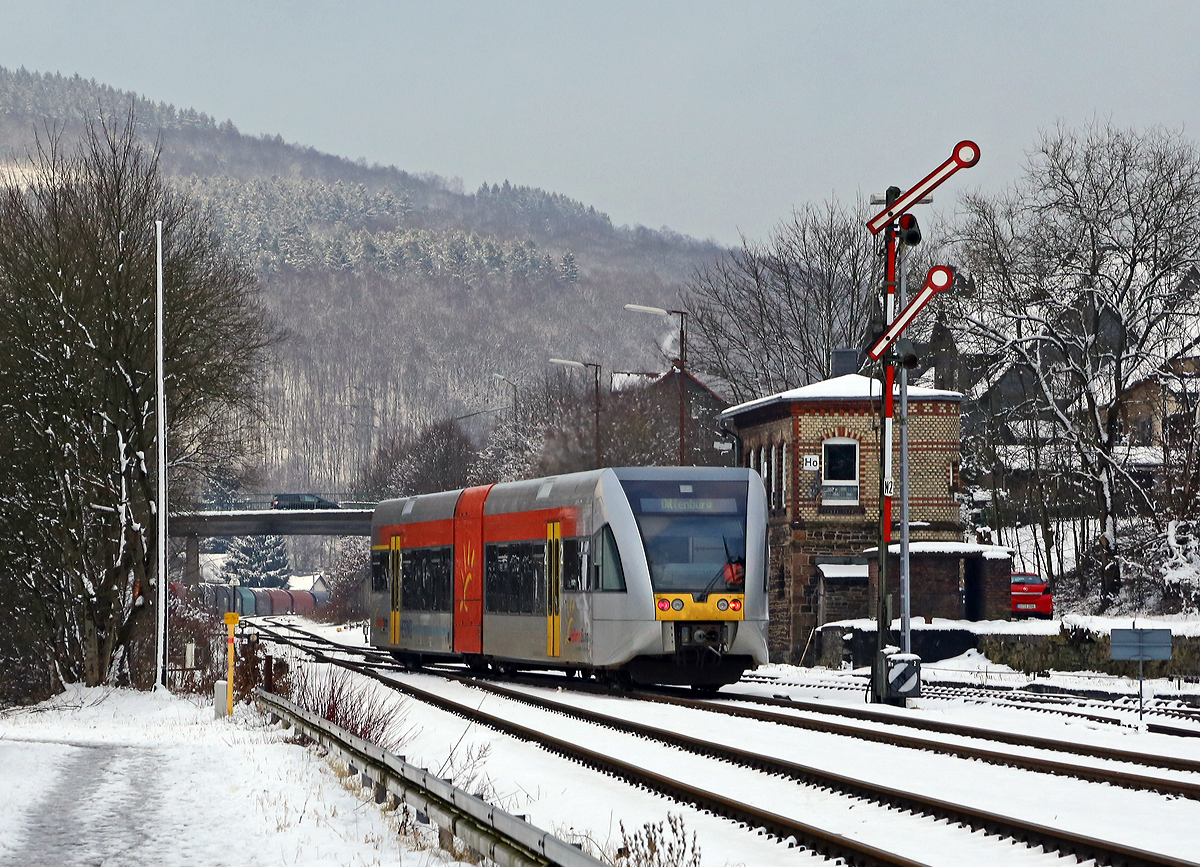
(1142, 645)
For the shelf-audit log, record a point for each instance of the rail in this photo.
(506, 839)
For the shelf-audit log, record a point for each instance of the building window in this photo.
(773, 469)
(839, 472)
(784, 475)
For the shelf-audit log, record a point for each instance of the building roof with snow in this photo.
(852, 386)
(954, 549)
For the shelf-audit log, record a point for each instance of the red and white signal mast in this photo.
(900, 229)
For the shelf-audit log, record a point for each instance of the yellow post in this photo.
(231, 621)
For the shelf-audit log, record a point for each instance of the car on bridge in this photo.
(301, 501)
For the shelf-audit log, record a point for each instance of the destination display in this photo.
(705, 505)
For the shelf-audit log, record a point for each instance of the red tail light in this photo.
(663, 604)
(735, 604)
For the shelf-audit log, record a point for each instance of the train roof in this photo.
(422, 507)
(549, 492)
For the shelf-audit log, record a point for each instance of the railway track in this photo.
(723, 704)
(967, 751)
(1053, 703)
(784, 828)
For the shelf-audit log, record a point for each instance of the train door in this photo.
(554, 550)
(468, 570)
(395, 570)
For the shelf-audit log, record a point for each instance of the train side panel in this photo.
(751, 639)
(303, 602)
(468, 570)
(411, 528)
(280, 601)
(534, 561)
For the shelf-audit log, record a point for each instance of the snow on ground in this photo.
(975, 668)
(113, 777)
(556, 793)
(1144, 819)
(1181, 625)
(117, 777)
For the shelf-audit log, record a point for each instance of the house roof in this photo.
(959, 549)
(674, 372)
(852, 386)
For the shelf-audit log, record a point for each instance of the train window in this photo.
(515, 578)
(607, 573)
(426, 577)
(379, 571)
(572, 566)
(695, 541)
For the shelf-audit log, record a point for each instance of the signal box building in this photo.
(817, 449)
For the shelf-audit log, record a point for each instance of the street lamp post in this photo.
(566, 362)
(160, 413)
(681, 364)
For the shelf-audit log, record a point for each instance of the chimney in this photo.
(842, 362)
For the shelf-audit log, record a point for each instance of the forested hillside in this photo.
(400, 294)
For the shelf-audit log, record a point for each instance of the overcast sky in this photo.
(711, 118)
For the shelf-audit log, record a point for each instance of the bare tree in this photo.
(1084, 284)
(765, 317)
(77, 389)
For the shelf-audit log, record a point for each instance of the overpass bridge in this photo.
(190, 526)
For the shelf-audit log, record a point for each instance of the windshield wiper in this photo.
(730, 564)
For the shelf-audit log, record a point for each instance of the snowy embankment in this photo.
(1181, 625)
(116, 777)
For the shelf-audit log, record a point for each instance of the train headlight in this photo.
(735, 604)
(677, 604)
(722, 604)
(663, 604)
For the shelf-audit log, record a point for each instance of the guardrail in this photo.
(506, 839)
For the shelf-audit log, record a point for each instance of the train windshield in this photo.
(694, 533)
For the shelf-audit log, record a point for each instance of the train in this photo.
(251, 601)
(649, 575)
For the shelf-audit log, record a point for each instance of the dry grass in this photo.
(662, 844)
(359, 708)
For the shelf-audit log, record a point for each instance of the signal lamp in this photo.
(663, 604)
(910, 232)
(735, 604)
(722, 604)
(677, 604)
(906, 353)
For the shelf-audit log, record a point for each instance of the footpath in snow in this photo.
(117, 777)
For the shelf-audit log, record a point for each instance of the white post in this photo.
(160, 667)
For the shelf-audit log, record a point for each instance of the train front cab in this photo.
(693, 546)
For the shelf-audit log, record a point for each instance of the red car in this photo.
(1030, 596)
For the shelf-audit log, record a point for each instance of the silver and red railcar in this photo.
(655, 575)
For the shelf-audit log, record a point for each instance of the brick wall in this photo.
(935, 585)
(997, 584)
(934, 591)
